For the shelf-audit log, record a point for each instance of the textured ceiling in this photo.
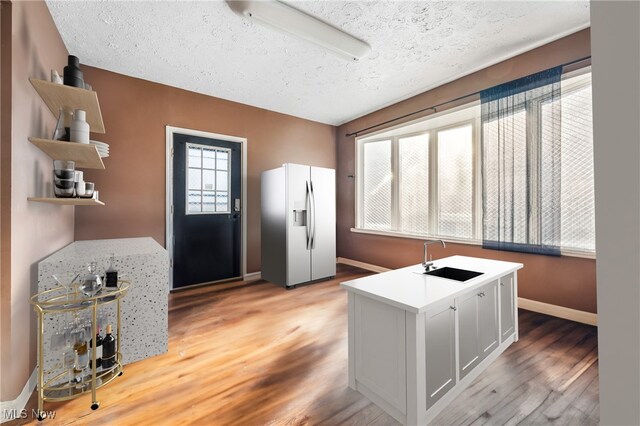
(204, 47)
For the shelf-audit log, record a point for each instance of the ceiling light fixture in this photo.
(293, 21)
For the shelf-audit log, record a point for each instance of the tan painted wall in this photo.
(133, 185)
(37, 229)
(563, 281)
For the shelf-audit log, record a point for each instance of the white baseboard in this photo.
(530, 305)
(558, 311)
(362, 265)
(10, 409)
(253, 276)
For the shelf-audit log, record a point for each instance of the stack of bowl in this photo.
(63, 178)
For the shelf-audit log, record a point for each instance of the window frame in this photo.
(433, 224)
(201, 190)
(433, 214)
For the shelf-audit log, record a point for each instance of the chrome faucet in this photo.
(428, 265)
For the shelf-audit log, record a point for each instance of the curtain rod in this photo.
(434, 107)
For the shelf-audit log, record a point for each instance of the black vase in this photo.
(72, 74)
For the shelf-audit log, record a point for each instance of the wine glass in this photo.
(68, 362)
(66, 280)
(81, 354)
(58, 342)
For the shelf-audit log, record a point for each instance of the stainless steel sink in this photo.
(454, 274)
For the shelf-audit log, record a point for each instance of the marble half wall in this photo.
(144, 310)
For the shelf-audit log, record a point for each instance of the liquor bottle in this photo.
(108, 349)
(112, 273)
(98, 341)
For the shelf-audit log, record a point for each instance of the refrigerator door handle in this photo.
(313, 217)
(307, 206)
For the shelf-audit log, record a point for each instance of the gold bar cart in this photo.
(58, 301)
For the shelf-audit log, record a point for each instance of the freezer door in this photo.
(273, 230)
(298, 228)
(323, 223)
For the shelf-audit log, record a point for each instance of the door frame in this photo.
(168, 237)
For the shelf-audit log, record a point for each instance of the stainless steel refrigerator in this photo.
(298, 211)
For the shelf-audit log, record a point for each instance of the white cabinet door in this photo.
(440, 350)
(507, 309)
(478, 325)
(488, 318)
(469, 338)
(380, 351)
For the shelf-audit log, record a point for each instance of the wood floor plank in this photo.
(252, 353)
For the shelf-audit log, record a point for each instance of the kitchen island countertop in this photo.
(410, 289)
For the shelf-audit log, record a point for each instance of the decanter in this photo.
(92, 282)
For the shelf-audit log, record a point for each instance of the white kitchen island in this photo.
(416, 341)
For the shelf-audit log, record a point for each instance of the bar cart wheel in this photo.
(41, 416)
(95, 406)
(121, 373)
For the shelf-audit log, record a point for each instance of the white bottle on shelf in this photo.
(79, 127)
(80, 186)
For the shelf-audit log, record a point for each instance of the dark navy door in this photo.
(206, 210)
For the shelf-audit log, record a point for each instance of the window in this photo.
(455, 181)
(421, 182)
(578, 198)
(207, 180)
(423, 179)
(414, 183)
(377, 185)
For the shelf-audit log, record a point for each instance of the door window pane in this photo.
(208, 187)
(208, 201)
(195, 154)
(455, 182)
(222, 202)
(208, 158)
(222, 183)
(194, 179)
(194, 202)
(376, 185)
(414, 183)
(222, 160)
(208, 180)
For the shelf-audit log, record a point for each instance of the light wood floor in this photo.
(255, 354)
